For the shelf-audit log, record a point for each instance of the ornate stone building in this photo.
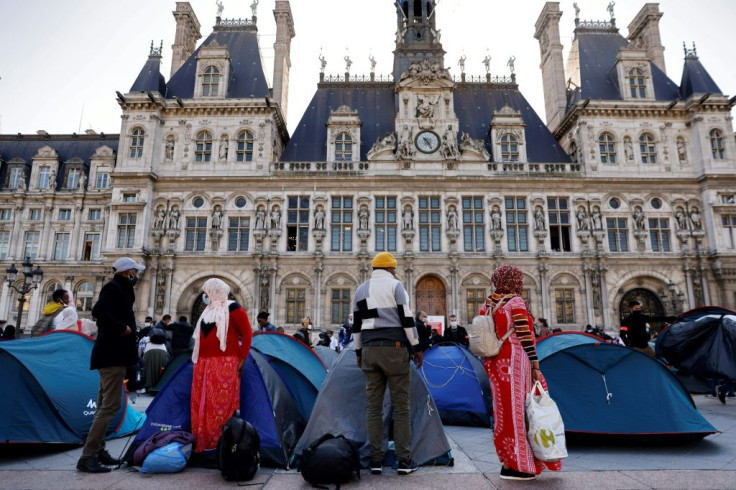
(628, 190)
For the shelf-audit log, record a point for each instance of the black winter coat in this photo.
(113, 312)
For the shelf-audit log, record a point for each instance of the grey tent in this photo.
(328, 356)
(341, 407)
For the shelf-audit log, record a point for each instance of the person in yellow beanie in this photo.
(385, 339)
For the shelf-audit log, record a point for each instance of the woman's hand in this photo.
(536, 375)
(241, 363)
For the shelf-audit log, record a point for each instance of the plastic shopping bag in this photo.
(546, 431)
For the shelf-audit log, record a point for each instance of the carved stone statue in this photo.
(348, 63)
(639, 220)
(220, 8)
(628, 149)
(695, 219)
(408, 219)
(681, 150)
(495, 219)
(322, 63)
(452, 219)
(425, 106)
(170, 149)
(577, 9)
(254, 7)
(52, 179)
(319, 219)
(487, 63)
(160, 219)
(82, 181)
(461, 63)
(510, 64)
(265, 292)
(224, 145)
(582, 218)
(610, 9)
(449, 143)
(173, 219)
(681, 219)
(260, 219)
(597, 219)
(539, 223)
(363, 218)
(217, 218)
(275, 218)
(373, 63)
(406, 145)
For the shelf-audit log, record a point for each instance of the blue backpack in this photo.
(171, 458)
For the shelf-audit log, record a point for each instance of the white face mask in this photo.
(453, 324)
(350, 322)
(206, 300)
(147, 324)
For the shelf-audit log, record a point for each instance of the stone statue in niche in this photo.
(275, 218)
(681, 219)
(160, 219)
(452, 219)
(639, 220)
(695, 219)
(174, 218)
(319, 219)
(217, 218)
(408, 219)
(495, 219)
(363, 218)
(169, 149)
(582, 218)
(539, 224)
(224, 145)
(260, 219)
(628, 149)
(597, 219)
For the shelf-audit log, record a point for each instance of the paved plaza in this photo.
(706, 464)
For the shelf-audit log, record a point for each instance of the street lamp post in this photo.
(31, 279)
(675, 297)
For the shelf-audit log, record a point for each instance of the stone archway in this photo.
(651, 305)
(431, 296)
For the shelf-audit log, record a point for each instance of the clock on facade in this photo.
(427, 141)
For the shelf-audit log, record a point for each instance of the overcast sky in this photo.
(61, 61)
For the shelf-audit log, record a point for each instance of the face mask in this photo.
(453, 324)
(133, 280)
(147, 324)
(350, 322)
(206, 300)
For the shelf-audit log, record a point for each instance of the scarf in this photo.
(217, 312)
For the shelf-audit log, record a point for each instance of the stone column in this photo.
(542, 267)
(16, 238)
(73, 243)
(604, 296)
(152, 273)
(318, 291)
(169, 284)
(44, 243)
(589, 305)
(4, 298)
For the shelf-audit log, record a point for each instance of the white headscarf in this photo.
(217, 312)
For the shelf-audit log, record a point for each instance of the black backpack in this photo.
(330, 459)
(45, 323)
(239, 449)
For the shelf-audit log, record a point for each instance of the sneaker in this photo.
(376, 468)
(407, 468)
(510, 474)
(722, 394)
(91, 465)
(107, 459)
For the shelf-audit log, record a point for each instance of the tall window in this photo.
(210, 81)
(340, 306)
(343, 147)
(244, 152)
(729, 230)
(238, 234)
(72, 178)
(430, 224)
(84, 295)
(65, 214)
(6, 214)
(16, 177)
(95, 214)
(102, 181)
(61, 246)
(137, 136)
(44, 178)
(716, 144)
(509, 148)
(659, 231)
(35, 214)
(473, 227)
(474, 299)
(618, 234)
(203, 150)
(297, 226)
(195, 234)
(295, 304)
(30, 246)
(607, 148)
(647, 148)
(91, 246)
(341, 224)
(637, 83)
(565, 305)
(385, 223)
(517, 228)
(559, 224)
(126, 230)
(4, 244)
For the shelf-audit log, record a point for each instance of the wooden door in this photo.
(431, 296)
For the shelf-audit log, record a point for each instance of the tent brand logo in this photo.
(91, 408)
(544, 438)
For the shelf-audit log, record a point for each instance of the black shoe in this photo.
(721, 394)
(91, 465)
(509, 474)
(376, 468)
(407, 468)
(106, 458)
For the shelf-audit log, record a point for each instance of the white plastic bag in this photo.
(546, 432)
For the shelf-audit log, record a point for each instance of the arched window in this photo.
(244, 152)
(637, 83)
(210, 81)
(509, 148)
(49, 290)
(343, 147)
(203, 151)
(136, 142)
(716, 144)
(647, 148)
(607, 148)
(84, 295)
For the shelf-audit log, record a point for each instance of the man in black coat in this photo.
(456, 333)
(115, 348)
(423, 330)
(634, 328)
(181, 335)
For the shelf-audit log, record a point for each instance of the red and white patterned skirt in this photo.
(215, 396)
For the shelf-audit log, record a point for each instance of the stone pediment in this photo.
(46, 152)
(103, 151)
(425, 73)
(74, 160)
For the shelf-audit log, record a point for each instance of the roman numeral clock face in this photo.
(427, 142)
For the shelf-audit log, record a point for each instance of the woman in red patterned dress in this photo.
(222, 341)
(512, 373)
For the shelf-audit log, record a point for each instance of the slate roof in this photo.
(150, 78)
(68, 147)
(247, 79)
(376, 106)
(696, 80)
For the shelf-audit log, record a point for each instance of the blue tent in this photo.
(458, 384)
(562, 340)
(327, 355)
(50, 394)
(614, 390)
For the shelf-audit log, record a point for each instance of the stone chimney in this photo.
(282, 54)
(644, 34)
(553, 72)
(187, 35)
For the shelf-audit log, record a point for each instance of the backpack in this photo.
(239, 449)
(159, 440)
(172, 458)
(45, 323)
(330, 459)
(482, 335)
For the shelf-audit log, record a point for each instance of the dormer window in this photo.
(647, 148)
(102, 181)
(607, 148)
(344, 147)
(637, 83)
(16, 177)
(210, 81)
(716, 144)
(136, 142)
(44, 177)
(72, 178)
(509, 148)
(203, 151)
(244, 151)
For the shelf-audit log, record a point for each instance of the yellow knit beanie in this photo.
(384, 259)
